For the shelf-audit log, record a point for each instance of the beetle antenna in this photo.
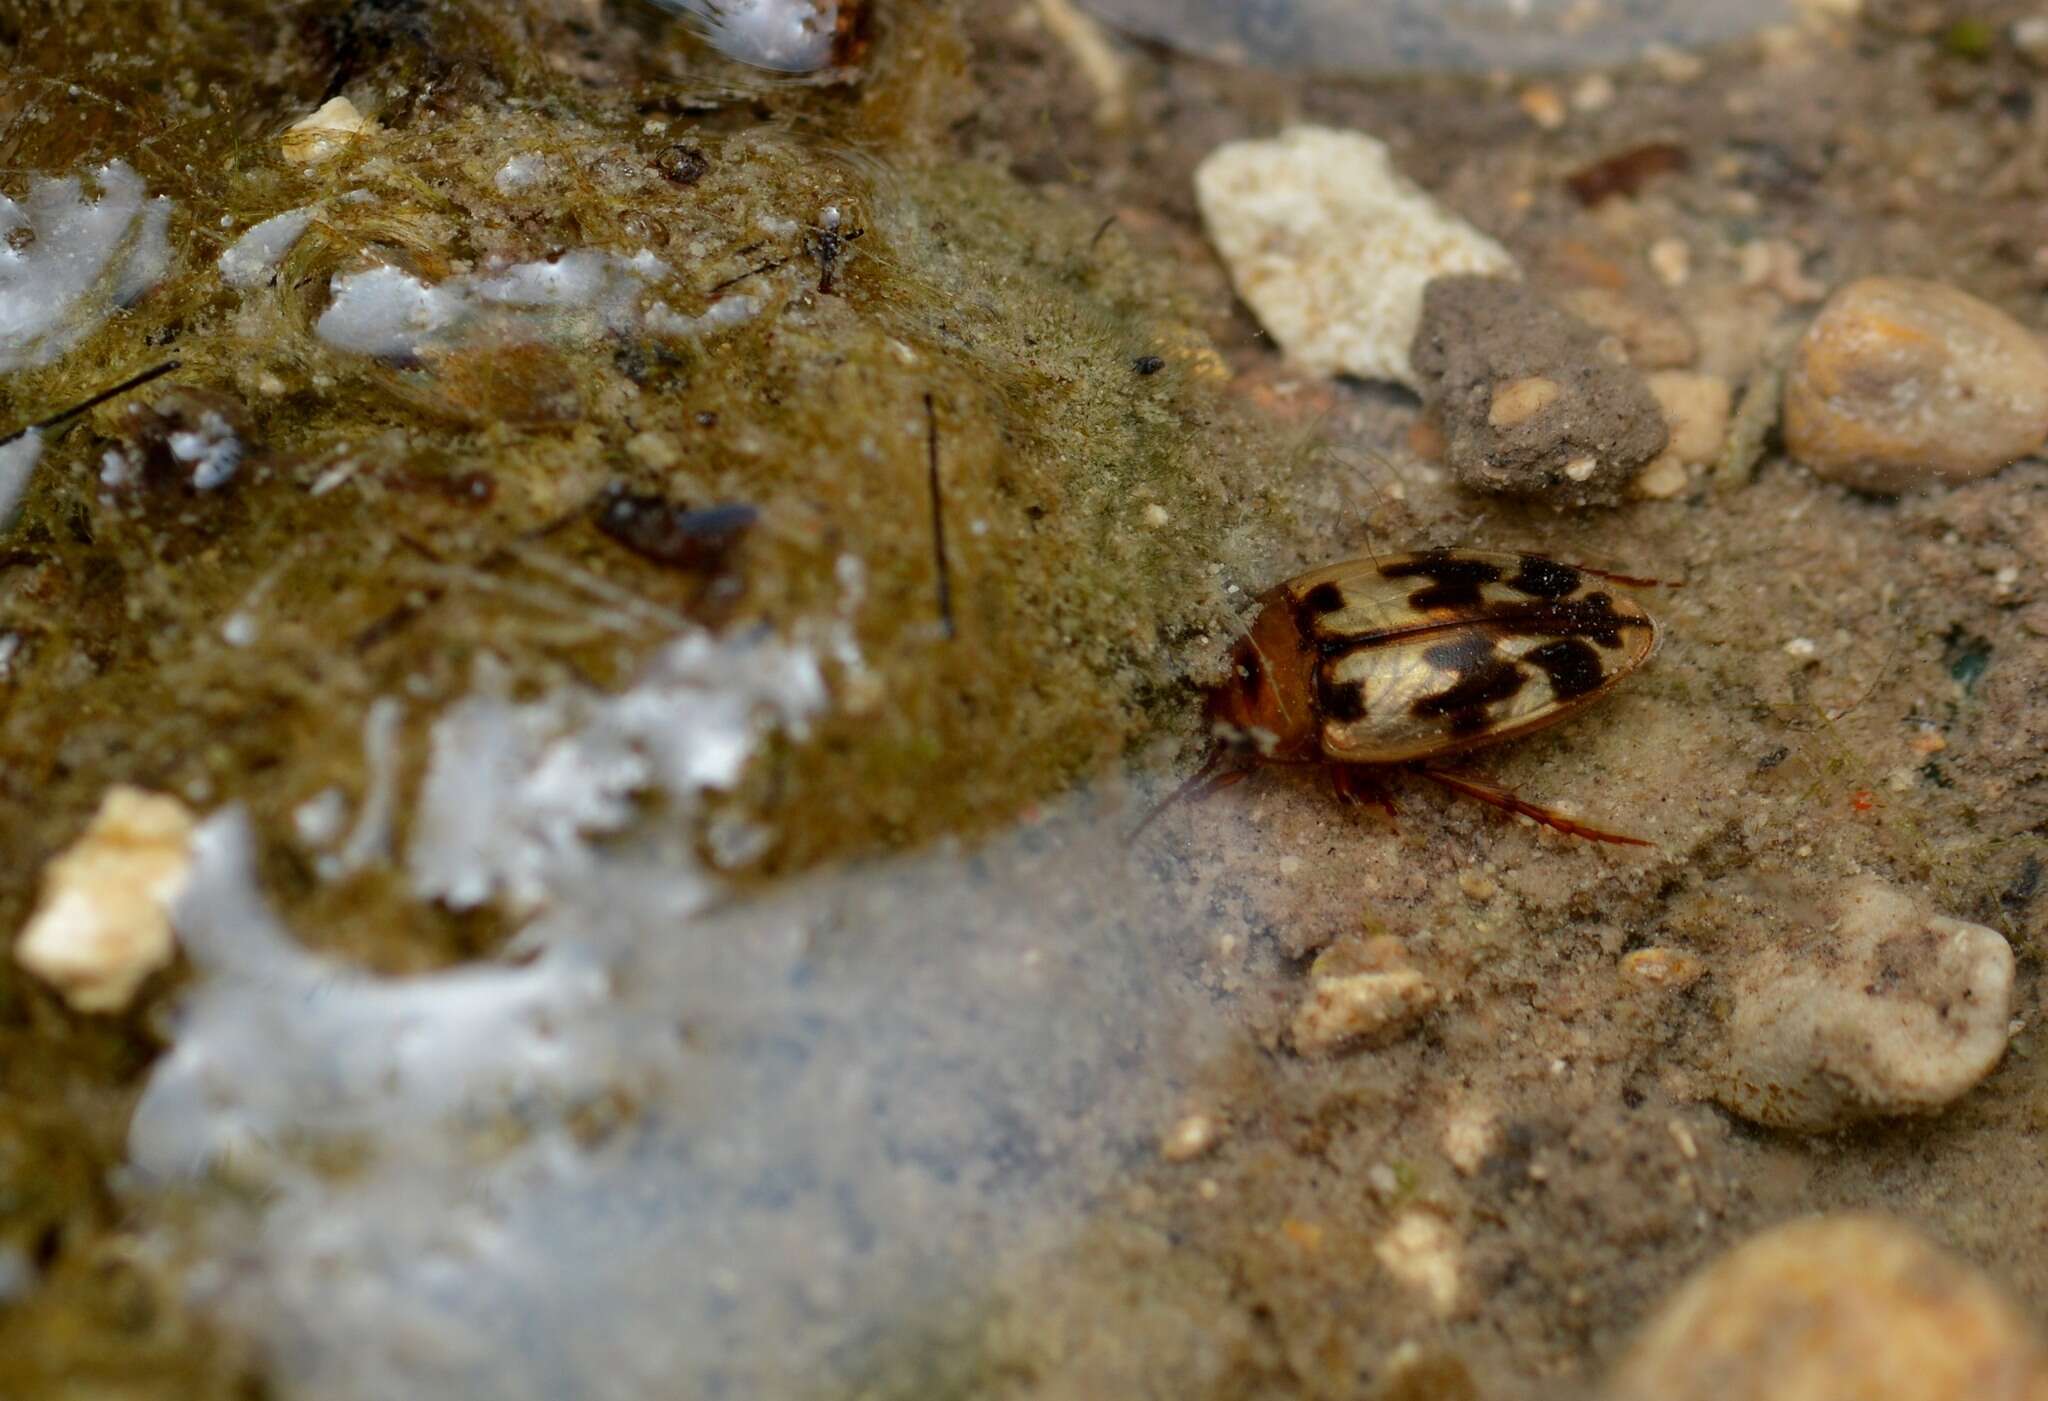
(1209, 778)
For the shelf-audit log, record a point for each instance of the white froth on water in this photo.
(68, 262)
(668, 1147)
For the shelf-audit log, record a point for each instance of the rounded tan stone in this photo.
(1843, 1308)
(1901, 383)
(1890, 1009)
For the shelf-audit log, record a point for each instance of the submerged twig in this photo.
(135, 381)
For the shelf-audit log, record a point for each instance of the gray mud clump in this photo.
(1531, 403)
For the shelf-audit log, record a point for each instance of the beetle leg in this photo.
(1356, 784)
(1197, 786)
(1509, 802)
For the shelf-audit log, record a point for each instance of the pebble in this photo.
(1835, 1307)
(1359, 995)
(1470, 1135)
(1424, 1253)
(1189, 1139)
(1544, 105)
(1331, 247)
(1674, 969)
(1891, 1010)
(1696, 408)
(325, 133)
(103, 924)
(1530, 404)
(1901, 384)
(1671, 260)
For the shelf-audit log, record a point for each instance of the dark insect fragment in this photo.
(669, 533)
(1626, 172)
(1148, 364)
(682, 164)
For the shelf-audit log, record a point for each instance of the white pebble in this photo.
(103, 923)
(1360, 1008)
(325, 133)
(1893, 1010)
(1190, 1138)
(1422, 1252)
(1331, 247)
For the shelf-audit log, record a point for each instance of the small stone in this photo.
(1671, 260)
(1156, 515)
(1827, 1308)
(103, 925)
(2030, 38)
(1471, 1135)
(1901, 384)
(1189, 1139)
(1423, 1253)
(323, 134)
(1478, 886)
(1542, 104)
(1577, 425)
(1777, 266)
(1696, 408)
(1595, 93)
(1688, 1147)
(1892, 1010)
(1672, 969)
(1331, 247)
(1360, 993)
(655, 451)
(1662, 480)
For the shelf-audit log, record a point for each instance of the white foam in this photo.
(211, 450)
(17, 462)
(253, 258)
(790, 36)
(521, 172)
(67, 263)
(516, 791)
(384, 312)
(392, 314)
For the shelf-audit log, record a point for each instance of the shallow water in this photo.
(728, 1152)
(1402, 36)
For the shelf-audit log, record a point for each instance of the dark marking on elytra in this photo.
(1572, 666)
(1544, 578)
(1484, 678)
(1325, 597)
(1342, 701)
(1454, 581)
(1311, 607)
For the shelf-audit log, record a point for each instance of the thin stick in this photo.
(945, 578)
(132, 382)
